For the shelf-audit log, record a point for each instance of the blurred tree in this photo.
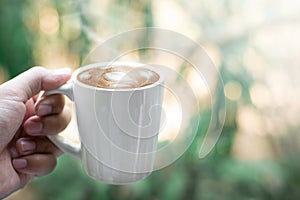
(219, 175)
(16, 42)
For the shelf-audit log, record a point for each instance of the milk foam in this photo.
(121, 77)
(118, 77)
(85, 75)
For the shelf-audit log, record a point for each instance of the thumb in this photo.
(32, 81)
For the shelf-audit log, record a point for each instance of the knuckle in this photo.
(47, 164)
(66, 120)
(51, 163)
(55, 100)
(45, 146)
(38, 69)
(63, 121)
(59, 101)
(49, 148)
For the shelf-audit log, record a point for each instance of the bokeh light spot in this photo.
(49, 22)
(233, 90)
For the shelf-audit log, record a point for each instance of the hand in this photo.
(25, 152)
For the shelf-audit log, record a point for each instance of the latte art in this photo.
(118, 77)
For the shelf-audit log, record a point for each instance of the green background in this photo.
(228, 27)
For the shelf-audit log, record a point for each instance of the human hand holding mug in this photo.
(118, 108)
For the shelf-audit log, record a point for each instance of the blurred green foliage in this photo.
(218, 176)
(16, 42)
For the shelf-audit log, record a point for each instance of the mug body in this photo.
(118, 128)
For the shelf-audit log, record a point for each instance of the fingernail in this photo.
(13, 152)
(34, 128)
(20, 163)
(27, 146)
(62, 71)
(44, 110)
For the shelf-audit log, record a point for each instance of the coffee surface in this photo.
(118, 77)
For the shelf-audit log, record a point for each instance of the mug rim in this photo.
(115, 64)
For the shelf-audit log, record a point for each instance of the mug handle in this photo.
(64, 144)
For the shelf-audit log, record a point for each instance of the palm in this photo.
(8, 173)
(13, 179)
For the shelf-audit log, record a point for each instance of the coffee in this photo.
(118, 77)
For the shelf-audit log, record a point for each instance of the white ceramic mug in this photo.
(118, 128)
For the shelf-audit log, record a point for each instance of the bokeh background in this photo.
(254, 44)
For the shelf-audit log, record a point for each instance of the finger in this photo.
(35, 97)
(30, 145)
(32, 81)
(29, 109)
(52, 104)
(48, 125)
(36, 164)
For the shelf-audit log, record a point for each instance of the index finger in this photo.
(29, 83)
